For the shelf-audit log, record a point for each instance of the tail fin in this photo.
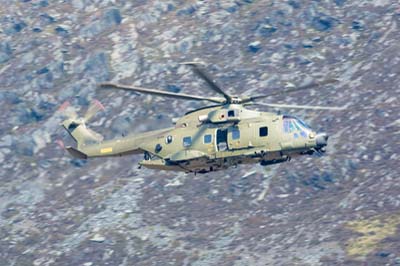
(76, 127)
(82, 134)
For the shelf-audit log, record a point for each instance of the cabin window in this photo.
(235, 134)
(231, 113)
(168, 139)
(187, 141)
(207, 139)
(263, 131)
(158, 148)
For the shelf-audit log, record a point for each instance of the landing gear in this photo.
(269, 162)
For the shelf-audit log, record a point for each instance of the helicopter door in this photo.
(222, 140)
(234, 138)
(262, 132)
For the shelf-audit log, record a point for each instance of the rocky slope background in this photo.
(343, 208)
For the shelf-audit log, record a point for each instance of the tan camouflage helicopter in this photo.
(210, 138)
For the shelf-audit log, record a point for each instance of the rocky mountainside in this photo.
(339, 209)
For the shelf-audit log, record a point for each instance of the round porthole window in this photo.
(168, 139)
(158, 148)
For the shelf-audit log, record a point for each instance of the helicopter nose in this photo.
(321, 140)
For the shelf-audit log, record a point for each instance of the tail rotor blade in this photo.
(94, 107)
(63, 106)
(67, 110)
(60, 143)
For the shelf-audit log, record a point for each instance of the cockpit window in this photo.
(291, 126)
(303, 124)
(286, 126)
(296, 126)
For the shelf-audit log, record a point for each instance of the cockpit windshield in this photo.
(303, 124)
(295, 125)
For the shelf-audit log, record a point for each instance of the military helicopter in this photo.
(210, 138)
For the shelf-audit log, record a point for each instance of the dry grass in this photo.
(372, 231)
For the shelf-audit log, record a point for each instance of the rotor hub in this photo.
(235, 100)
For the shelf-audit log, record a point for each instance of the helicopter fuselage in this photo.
(216, 138)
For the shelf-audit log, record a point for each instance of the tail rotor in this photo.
(93, 109)
(76, 126)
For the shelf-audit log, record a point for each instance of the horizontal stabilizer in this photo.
(75, 153)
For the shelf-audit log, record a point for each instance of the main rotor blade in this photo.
(278, 91)
(311, 107)
(162, 93)
(201, 72)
